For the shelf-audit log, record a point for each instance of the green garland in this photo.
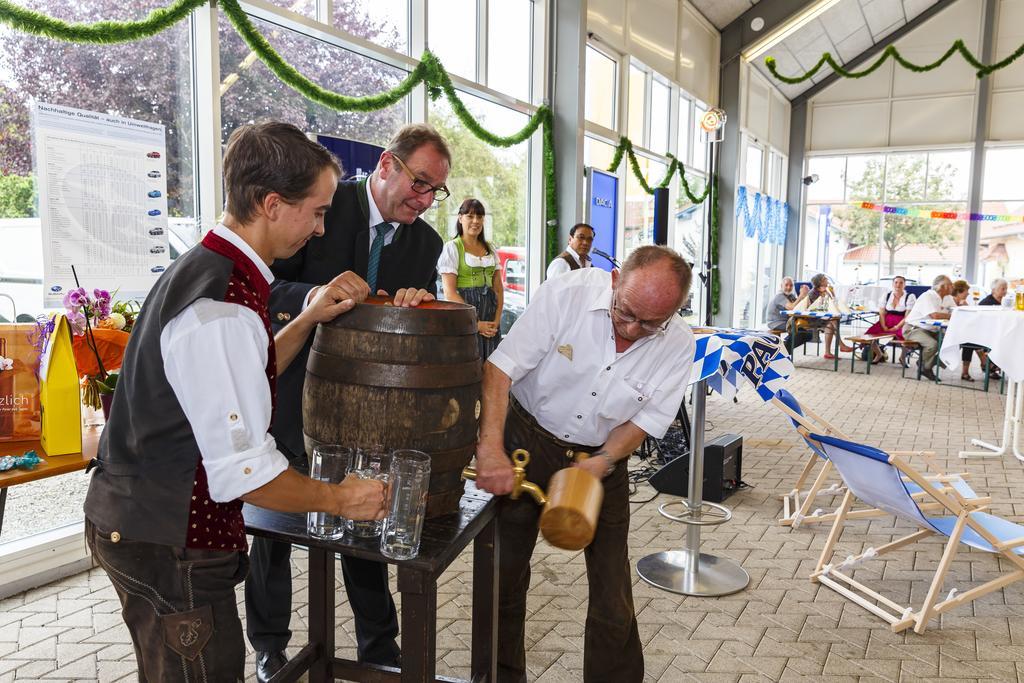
(625, 148)
(891, 52)
(428, 71)
(103, 32)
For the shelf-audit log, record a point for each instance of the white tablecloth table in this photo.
(1001, 330)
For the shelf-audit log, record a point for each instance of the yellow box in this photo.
(60, 398)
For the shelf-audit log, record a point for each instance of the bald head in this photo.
(659, 270)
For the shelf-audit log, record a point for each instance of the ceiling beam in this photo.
(873, 51)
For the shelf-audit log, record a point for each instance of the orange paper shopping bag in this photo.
(19, 384)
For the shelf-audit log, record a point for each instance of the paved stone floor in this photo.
(782, 627)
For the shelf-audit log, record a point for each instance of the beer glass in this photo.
(328, 464)
(369, 463)
(407, 504)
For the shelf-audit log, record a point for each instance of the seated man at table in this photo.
(187, 440)
(935, 304)
(598, 361)
(778, 322)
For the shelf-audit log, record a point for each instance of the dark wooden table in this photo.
(51, 466)
(442, 541)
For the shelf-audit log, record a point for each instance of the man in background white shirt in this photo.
(935, 304)
(596, 362)
(577, 254)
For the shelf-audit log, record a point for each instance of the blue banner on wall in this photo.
(357, 158)
(603, 214)
(768, 220)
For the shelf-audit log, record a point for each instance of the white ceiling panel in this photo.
(844, 20)
(882, 15)
(854, 45)
(721, 13)
(850, 29)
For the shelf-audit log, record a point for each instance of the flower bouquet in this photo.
(101, 327)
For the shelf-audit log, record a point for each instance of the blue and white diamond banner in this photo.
(724, 356)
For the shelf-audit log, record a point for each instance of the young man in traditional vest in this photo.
(187, 441)
(577, 254)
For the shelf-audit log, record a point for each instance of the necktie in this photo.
(583, 261)
(383, 230)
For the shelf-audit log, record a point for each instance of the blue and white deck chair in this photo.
(884, 481)
(797, 504)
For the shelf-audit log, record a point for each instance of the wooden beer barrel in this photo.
(402, 378)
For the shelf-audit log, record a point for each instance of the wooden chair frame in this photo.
(797, 504)
(901, 617)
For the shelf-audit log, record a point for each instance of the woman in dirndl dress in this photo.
(471, 273)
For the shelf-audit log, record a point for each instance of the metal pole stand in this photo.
(689, 571)
(1011, 427)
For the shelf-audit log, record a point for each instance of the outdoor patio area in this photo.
(782, 627)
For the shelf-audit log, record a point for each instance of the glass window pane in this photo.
(865, 178)
(921, 248)
(1002, 173)
(755, 162)
(149, 80)
(597, 154)
(250, 92)
(635, 132)
(700, 145)
(451, 35)
(831, 182)
(638, 225)
(509, 47)
(1000, 244)
(948, 175)
(382, 22)
(306, 8)
(746, 269)
(602, 88)
(661, 96)
(685, 131)
(497, 177)
(688, 240)
(905, 176)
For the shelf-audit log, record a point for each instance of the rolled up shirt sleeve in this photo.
(215, 357)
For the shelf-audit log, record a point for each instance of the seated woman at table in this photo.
(778, 321)
(890, 316)
(823, 299)
(999, 287)
(961, 290)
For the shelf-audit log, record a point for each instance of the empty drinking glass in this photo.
(407, 505)
(369, 463)
(330, 464)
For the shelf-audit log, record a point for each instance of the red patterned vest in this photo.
(219, 526)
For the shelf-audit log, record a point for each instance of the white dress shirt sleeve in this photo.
(448, 262)
(531, 338)
(215, 357)
(557, 267)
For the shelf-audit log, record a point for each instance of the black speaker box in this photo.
(723, 467)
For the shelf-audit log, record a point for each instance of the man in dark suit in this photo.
(373, 229)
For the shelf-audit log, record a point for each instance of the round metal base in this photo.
(714, 576)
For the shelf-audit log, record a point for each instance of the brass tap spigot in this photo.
(520, 459)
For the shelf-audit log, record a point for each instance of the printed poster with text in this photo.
(102, 183)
